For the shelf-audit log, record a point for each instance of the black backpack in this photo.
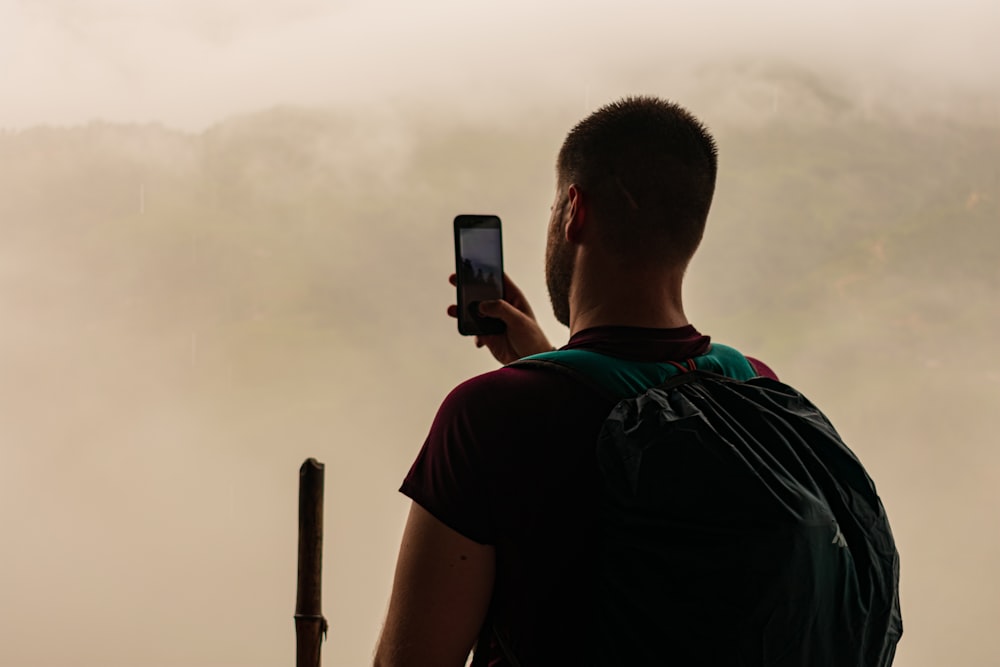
(737, 528)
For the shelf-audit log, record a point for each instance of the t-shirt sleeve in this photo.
(450, 476)
(762, 369)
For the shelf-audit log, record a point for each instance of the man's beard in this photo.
(559, 262)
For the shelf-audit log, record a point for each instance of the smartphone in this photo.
(479, 268)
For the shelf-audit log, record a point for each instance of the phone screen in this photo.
(479, 267)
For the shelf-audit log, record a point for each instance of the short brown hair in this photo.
(647, 169)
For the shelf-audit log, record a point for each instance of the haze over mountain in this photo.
(189, 315)
(224, 242)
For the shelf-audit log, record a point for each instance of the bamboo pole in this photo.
(310, 626)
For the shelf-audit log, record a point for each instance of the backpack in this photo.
(737, 528)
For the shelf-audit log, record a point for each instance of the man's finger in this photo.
(452, 310)
(453, 279)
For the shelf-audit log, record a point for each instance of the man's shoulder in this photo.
(509, 387)
(516, 403)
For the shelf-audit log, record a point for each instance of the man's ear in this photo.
(575, 214)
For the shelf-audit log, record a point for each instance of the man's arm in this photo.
(440, 595)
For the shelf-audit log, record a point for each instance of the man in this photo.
(505, 488)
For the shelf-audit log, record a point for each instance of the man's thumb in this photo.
(501, 310)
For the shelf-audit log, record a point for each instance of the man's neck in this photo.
(626, 296)
(597, 317)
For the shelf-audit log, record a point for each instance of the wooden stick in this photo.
(310, 626)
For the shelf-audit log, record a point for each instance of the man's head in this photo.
(644, 171)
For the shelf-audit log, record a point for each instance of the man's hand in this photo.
(523, 336)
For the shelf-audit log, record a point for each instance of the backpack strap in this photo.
(619, 378)
(615, 379)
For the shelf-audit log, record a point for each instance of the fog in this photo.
(188, 64)
(224, 244)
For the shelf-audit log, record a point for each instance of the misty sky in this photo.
(188, 64)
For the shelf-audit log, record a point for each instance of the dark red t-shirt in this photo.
(509, 461)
